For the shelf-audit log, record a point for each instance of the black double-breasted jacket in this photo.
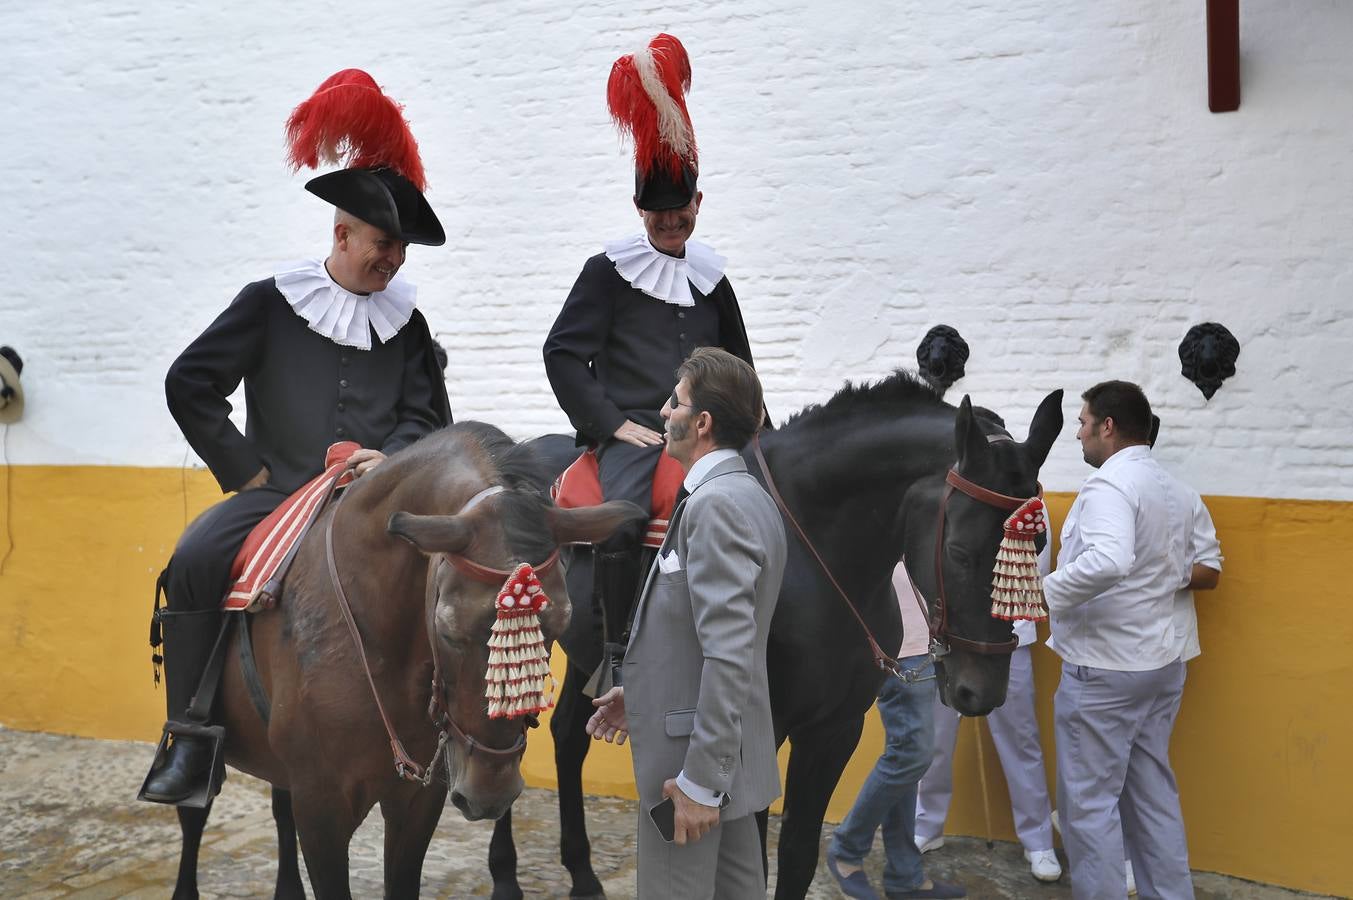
(613, 351)
(302, 391)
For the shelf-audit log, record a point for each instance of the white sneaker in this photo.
(1043, 864)
(925, 846)
(1131, 882)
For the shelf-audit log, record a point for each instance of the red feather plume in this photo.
(349, 121)
(654, 115)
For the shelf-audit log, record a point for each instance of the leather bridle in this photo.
(405, 766)
(941, 638)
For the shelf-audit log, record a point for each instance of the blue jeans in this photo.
(888, 797)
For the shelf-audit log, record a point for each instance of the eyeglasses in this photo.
(674, 402)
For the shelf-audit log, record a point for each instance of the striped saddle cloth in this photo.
(257, 573)
(580, 485)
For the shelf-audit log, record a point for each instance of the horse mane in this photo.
(902, 391)
(524, 502)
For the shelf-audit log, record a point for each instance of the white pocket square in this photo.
(669, 563)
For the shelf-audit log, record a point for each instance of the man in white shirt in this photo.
(1125, 553)
(1204, 575)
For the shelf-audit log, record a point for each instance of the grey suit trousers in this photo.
(1113, 741)
(725, 864)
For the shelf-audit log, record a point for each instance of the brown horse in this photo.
(403, 541)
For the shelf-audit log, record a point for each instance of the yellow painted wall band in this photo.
(1261, 748)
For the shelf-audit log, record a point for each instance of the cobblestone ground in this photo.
(69, 827)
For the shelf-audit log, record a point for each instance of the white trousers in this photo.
(1114, 780)
(1014, 730)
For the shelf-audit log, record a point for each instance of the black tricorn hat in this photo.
(659, 190)
(350, 120)
(384, 198)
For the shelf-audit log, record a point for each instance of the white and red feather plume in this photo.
(646, 96)
(349, 121)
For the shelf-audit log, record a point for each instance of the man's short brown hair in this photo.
(1126, 404)
(728, 389)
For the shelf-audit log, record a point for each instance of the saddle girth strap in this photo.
(253, 682)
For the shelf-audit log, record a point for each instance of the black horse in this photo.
(865, 476)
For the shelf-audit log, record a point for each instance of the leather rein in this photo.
(941, 638)
(405, 766)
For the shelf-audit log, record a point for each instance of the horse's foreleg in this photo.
(503, 860)
(567, 727)
(192, 822)
(289, 885)
(410, 820)
(816, 760)
(325, 824)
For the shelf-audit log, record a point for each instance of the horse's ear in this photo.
(591, 524)
(432, 534)
(1043, 430)
(970, 443)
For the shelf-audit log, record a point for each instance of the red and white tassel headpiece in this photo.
(518, 681)
(646, 96)
(1017, 588)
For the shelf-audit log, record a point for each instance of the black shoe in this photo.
(855, 885)
(185, 770)
(942, 890)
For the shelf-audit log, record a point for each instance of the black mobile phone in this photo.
(664, 817)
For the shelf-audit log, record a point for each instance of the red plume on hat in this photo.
(646, 96)
(350, 121)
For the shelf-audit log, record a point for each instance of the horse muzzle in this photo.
(477, 806)
(482, 785)
(972, 684)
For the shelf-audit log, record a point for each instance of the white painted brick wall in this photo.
(1044, 177)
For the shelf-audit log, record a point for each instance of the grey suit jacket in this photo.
(695, 669)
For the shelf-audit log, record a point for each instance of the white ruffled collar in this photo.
(340, 315)
(666, 277)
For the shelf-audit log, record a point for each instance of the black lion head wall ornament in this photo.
(941, 355)
(1208, 354)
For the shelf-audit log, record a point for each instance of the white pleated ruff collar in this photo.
(666, 277)
(340, 315)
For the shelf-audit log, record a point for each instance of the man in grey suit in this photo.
(695, 698)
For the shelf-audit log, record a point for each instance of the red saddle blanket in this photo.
(272, 539)
(580, 485)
